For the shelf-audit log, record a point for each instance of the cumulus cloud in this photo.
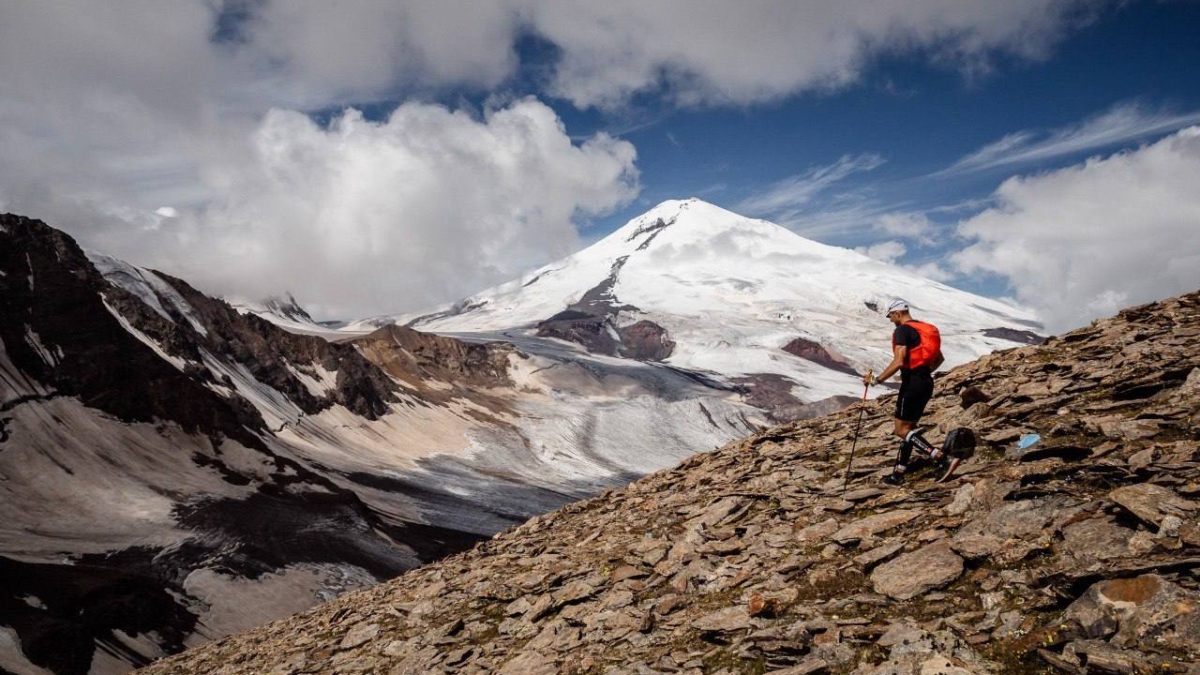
(427, 206)
(1090, 239)
(887, 251)
(909, 225)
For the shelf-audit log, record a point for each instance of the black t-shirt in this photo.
(909, 337)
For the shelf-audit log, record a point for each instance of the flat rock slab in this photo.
(530, 663)
(861, 494)
(360, 634)
(872, 525)
(1008, 528)
(1151, 503)
(723, 621)
(1096, 539)
(878, 554)
(915, 573)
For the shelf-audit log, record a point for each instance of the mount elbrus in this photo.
(1079, 553)
(743, 302)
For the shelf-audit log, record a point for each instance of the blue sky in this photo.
(920, 120)
(388, 155)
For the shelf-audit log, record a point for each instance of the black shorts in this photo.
(915, 392)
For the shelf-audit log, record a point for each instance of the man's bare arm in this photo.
(899, 355)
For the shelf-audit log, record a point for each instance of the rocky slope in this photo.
(1079, 553)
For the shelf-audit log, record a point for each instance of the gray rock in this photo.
(1010, 529)
(530, 663)
(818, 531)
(872, 525)
(1094, 540)
(726, 620)
(360, 634)
(915, 573)
(1151, 502)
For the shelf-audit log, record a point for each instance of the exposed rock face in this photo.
(599, 334)
(1024, 337)
(417, 358)
(773, 393)
(913, 574)
(815, 352)
(645, 341)
(1080, 562)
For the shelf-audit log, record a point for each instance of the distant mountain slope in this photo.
(1078, 554)
(165, 456)
(704, 289)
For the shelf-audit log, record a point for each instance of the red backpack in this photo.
(925, 353)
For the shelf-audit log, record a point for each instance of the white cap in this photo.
(897, 306)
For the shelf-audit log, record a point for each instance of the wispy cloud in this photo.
(1121, 124)
(793, 193)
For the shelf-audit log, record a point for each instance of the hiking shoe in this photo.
(893, 478)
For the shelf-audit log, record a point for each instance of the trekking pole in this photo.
(862, 409)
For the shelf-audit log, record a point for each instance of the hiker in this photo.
(916, 353)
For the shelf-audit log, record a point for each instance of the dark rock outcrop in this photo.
(817, 353)
(1024, 337)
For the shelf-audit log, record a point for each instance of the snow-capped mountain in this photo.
(747, 301)
(284, 311)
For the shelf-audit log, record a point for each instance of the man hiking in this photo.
(916, 353)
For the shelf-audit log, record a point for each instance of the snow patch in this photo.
(236, 605)
(150, 288)
(50, 357)
(339, 437)
(29, 263)
(176, 361)
(319, 381)
(12, 658)
(276, 409)
(33, 601)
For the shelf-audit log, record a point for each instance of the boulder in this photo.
(1147, 612)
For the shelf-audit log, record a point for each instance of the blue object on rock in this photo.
(1028, 440)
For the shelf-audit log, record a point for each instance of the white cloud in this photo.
(1121, 124)
(887, 251)
(931, 270)
(1088, 240)
(714, 51)
(112, 110)
(909, 225)
(362, 217)
(788, 198)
